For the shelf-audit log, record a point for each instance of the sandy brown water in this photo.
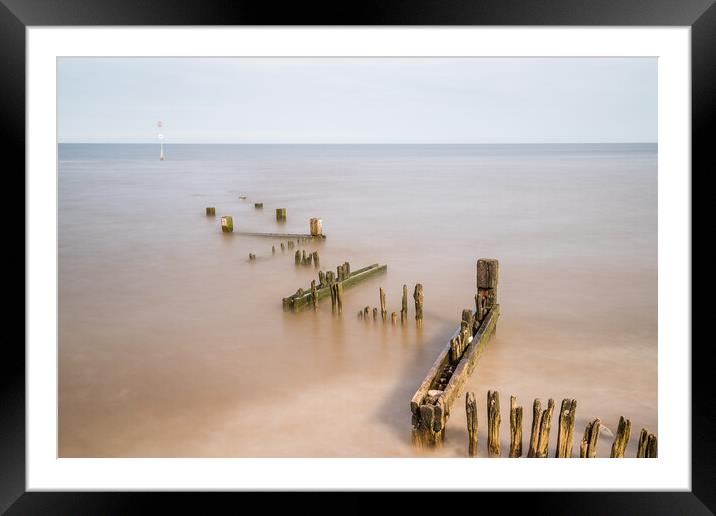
(172, 344)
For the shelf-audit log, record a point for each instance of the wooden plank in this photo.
(281, 235)
(297, 303)
(462, 372)
(469, 357)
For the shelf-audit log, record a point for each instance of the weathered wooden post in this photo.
(467, 324)
(534, 435)
(366, 312)
(290, 244)
(383, 311)
(211, 211)
(227, 224)
(394, 318)
(339, 296)
(621, 439)
(258, 205)
(565, 438)
(314, 294)
(297, 257)
(544, 428)
(404, 305)
(588, 446)
(647, 447)
(651, 447)
(641, 446)
(488, 272)
(360, 314)
(331, 286)
(316, 227)
(273, 249)
(493, 424)
(471, 411)
(281, 214)
(375, 313)
(419, 298)
(322, 278)
(515, 428)
(315, 259)
(283, 247)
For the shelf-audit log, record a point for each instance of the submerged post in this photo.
(565, 437)
(383, 311)
(314, 295)
(419, 298)
(227, 224)
(515, 428)
(316, 227)
(339, 296)
(622, 438)
(534, 435)
(280, 214)
(588, 446)
(334, 300)
(211, 211)
(647, 445)
(258, 205)
(471, 411)
(493, 424)
(488, 272)
(404, 305)
(544, 428)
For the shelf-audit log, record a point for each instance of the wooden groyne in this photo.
(282, 235)
(344, 279)
(432, 402)
(539, 442)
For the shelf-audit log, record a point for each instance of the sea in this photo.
(172, 343)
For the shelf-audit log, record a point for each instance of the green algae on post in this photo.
(227, 224)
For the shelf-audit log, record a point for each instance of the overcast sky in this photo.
(360, 100)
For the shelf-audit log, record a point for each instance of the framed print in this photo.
(409, 250)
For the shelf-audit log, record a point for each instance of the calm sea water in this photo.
(171, 344)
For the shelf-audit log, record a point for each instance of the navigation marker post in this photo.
(161, 140)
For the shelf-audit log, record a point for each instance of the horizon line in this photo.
(129, 142)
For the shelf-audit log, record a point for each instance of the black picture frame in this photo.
(16, 15)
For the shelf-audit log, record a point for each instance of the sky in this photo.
(357, 100)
